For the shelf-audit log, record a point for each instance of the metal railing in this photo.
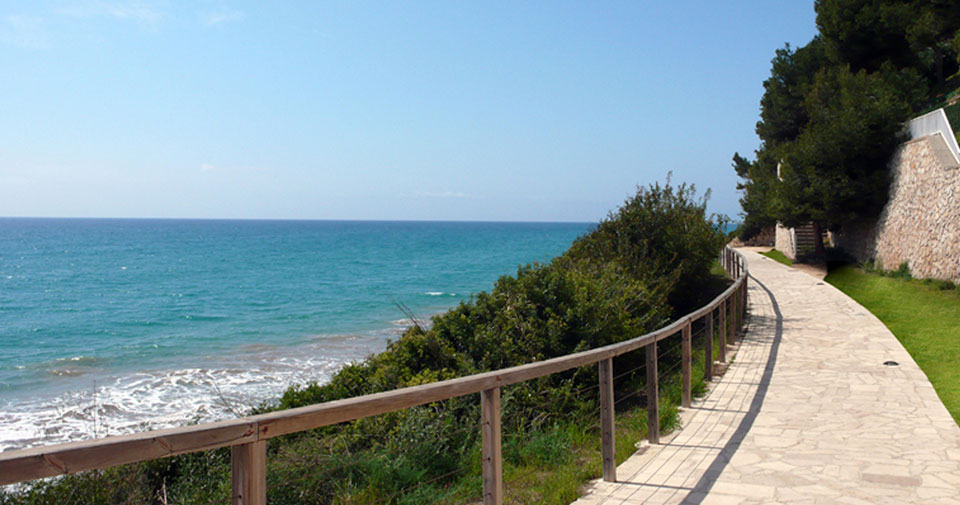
(247, 436)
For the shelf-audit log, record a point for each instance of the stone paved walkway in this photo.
(806, 414)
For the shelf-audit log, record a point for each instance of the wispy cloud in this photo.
(212, 18)
(35, 32)
(123, 10)
(29, 32)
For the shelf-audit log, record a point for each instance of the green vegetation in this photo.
(651, 260)
(778, 256)
(922, 314)
(953, 115)
(832, 110)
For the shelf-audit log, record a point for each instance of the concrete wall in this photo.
(920, 225)
(784, 241)
(935, 122)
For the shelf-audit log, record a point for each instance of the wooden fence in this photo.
(247, 436)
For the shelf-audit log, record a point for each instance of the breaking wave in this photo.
(229, 387)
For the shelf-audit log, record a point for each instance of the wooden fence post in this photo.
(708, 347)
(741, 313)
(743, 307)
(607, 427)
(685, 363)
(734, 321)
(743, 298)
(490, 447)
(249, 469)
(653, 395)
(736, 317)
(723, 331)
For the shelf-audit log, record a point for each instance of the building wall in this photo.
(920, 225)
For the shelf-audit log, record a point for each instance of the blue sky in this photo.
(540, 111)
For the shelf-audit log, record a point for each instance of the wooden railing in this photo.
(247, 436)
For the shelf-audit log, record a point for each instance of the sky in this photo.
(490, 111)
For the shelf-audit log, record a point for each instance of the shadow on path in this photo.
(703, 486)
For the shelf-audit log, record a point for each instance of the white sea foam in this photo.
(228, 387)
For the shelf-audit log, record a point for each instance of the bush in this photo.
(662, 235)
(902, 272)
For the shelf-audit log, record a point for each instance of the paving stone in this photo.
(827, 424)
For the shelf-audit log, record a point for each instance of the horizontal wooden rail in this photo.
(248, 434)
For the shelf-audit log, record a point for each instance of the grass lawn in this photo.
(925, 318)
(778, 256)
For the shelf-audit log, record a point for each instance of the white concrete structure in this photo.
(935, 123)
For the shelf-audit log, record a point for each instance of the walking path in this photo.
(807, 413)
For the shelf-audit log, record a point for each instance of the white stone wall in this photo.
(784, 241)
(920, 225)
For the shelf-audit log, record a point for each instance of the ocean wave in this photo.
(69, 367)
(229, 387)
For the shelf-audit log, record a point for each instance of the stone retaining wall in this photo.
(920, 225)
(766, 237)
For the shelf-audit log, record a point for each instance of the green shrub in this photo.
(902, 272)
(953, 116)
(662, 234)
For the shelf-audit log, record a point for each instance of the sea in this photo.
(109, 326)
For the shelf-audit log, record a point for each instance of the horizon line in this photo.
(116, 218)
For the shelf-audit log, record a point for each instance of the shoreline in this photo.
(149, 399)
(118, 326)
(127, 402)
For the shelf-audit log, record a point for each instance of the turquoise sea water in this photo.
(111, 325)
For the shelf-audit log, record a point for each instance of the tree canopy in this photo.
(834, 171)
(832, 111)
(782, 111)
